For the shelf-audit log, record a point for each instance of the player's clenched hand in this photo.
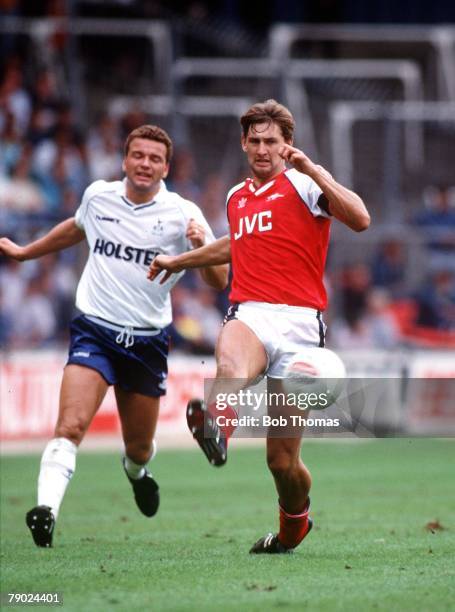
(160, 263)
(297, 158)
(302, 162)
(11, 249)
(195, 234)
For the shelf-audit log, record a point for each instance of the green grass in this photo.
(369, 549)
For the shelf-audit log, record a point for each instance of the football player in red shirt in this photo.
(279, 231)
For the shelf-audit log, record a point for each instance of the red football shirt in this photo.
(279, 240)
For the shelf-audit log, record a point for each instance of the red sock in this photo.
(293, 527)
(228, 413)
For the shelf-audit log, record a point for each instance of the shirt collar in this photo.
(261, 189)
(160, 196)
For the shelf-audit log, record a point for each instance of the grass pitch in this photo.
(369, 549)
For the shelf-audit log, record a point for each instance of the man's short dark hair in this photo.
(269, 111)
(150, 132)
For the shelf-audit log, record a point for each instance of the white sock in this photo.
(57, 467)
(134, 470)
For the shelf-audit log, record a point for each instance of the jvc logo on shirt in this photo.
(127, 253)
(262, 220)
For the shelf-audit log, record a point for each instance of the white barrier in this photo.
(29, 394)
(30, 381)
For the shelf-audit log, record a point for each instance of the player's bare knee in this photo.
(226, 367)
(73, 430)
(139, 452)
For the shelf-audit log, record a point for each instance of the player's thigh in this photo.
(138, 416)
(239, 352)
(81, 393)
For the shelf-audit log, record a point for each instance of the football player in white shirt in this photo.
(119, 339)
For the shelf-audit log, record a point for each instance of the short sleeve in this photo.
(228, 197)
(310, 192)
(81, 213)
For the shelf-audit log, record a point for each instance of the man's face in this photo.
(145, 165)
(261, 146)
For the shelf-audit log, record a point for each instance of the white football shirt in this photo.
(123, 239)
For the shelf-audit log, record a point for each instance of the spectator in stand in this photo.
(55, 184)
(13, 96)
(355, 285)
(6, 325)
(199, 320)
(389, 267)
(47, 103)
(379, 321)
(20, 192)
(436, 302)
(11, 144)
(67, 144)
(376, 329)
(9, 8)
(131, 120)
(63, 278)
(183, 178)
(349, 334)
(213, 204)
(13, 286)
(34, 320)
(437, 224)
(57, 43)
(104, 150)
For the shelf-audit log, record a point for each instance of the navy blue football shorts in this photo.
(133, 358)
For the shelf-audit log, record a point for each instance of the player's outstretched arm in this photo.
(215, 254)
(62, 236)
(215, 276)
(344, 204)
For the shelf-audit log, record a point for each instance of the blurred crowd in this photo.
(46, 162)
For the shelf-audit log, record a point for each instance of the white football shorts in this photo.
(282, 329)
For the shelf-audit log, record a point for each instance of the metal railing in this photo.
(290, 80)
(345, 115)
(440, 38)
(190, 106)
(158, 34)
